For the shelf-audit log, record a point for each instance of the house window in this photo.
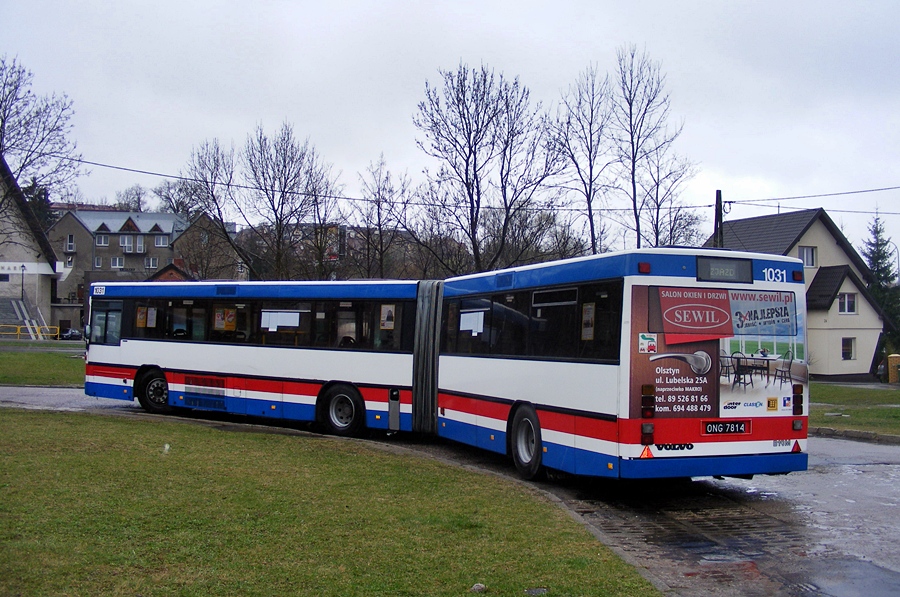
(139, 248)
(127, 243)
(70, 243)
(162, 240)
(151, 262)
(847, 302)
(98, 262)
(117, 262)
(70, 260)
(848, 349)
(4, 277)
(807, 255)
(102, 240)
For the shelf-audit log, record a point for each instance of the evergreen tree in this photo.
(880, 254)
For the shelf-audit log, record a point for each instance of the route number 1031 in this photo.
(773, 274)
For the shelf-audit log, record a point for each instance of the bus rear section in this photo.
(717, 380)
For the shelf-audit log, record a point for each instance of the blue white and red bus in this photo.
(648, 363)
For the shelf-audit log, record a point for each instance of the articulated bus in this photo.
(650, 363)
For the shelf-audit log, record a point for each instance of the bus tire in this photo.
(526, 445)
(344, 412)
(153, 393)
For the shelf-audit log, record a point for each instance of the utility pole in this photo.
(718, 232)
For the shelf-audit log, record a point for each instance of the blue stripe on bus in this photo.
(707, 466)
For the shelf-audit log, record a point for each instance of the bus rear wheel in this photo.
(344, 411)
(526, 446)
(153, 393)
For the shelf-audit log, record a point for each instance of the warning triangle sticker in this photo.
(646, 453)
(796, 447)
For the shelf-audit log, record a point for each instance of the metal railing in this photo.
(29, 332)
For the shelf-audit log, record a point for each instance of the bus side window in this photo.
(450, 327)
(475, 330)
(106, 323)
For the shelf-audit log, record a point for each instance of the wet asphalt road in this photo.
(832, 530)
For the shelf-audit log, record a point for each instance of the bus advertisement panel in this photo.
(729, 363)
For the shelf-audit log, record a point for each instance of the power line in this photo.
(759, 201)
(842, 193)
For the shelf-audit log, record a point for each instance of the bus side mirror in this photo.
(87, 334)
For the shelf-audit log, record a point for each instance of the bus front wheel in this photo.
(527, 446)
(153, 393)
(345, 412)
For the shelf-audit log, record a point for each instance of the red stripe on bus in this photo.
(109, 371)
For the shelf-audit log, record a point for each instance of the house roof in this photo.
(824, 288)
(15, 193)
(171, 273)
(132, 222)
(778, 234)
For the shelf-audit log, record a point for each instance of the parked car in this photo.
(70, 334)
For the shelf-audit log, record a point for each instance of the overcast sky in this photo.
(778, 99)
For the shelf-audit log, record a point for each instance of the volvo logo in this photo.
(674, 446)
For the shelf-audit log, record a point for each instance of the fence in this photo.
(27, 332)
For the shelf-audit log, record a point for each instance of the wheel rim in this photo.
(341, 411)
(158, 391)
(525, 441)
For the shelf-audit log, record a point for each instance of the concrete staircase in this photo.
(16, 312)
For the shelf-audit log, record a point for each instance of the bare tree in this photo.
(376, 245)
(324, 243)
(287, 185)
(639, 125)
(581, 133)
(209, 181)
(495, 154)
(178, 197)
(134, 198)
(666, 220)
(34, 132)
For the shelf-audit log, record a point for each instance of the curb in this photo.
(859, 436)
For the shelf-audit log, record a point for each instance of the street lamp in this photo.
(23, 281)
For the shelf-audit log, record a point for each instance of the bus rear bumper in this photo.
(709, 466)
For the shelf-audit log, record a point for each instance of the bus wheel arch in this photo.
(525, 442)
(341, 410)
(152, 390)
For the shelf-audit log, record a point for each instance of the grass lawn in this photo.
(94, 505)
(855, 408)
(32, 368)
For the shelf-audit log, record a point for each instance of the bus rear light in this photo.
(797, 425)
(648, 401)
(643, 267)
(797, 400)
(646, 434)
(798, 275)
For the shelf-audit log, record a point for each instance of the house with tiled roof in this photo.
(102, 246)
(844, 324)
